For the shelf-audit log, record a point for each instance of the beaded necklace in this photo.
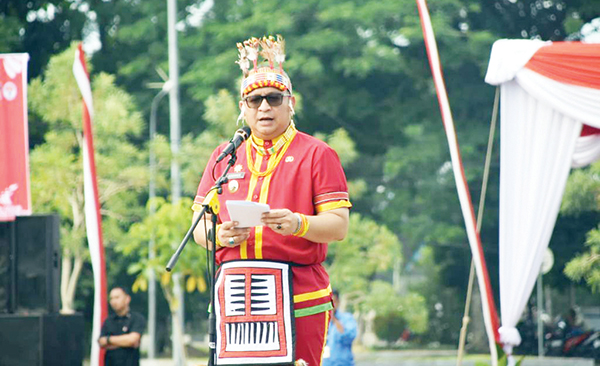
(280, 148)
(287, 135)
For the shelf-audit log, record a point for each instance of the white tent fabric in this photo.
(587, 150)
(541, 121)
(577, 102)
(508, 57)
(536, 144)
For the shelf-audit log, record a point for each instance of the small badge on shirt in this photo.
(125, 329)
(289, 159)
(239, 175)
(238, 168)
(233, 186)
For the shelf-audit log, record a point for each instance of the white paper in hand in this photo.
(247, 213)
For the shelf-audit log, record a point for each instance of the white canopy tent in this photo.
(550, 109)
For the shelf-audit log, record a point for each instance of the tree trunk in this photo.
(67, 305)
(177, 333)
(72, 264)
(71, 269)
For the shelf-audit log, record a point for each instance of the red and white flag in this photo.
(93, 220)
(15, 196)
(490, 315)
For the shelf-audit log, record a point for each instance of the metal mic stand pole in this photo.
(212, 206)
(212, 318)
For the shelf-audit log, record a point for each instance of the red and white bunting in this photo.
(15, 196)
(93, 220)
(490, 314)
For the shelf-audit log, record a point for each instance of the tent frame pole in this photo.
(484, 183)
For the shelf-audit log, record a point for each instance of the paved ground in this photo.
(448, 358)
(417, 358)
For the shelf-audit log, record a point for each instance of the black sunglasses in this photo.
(274, 100)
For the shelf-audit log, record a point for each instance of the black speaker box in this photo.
(41, 340)
(7, 267)
(30, 249)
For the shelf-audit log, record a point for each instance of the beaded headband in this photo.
(273, 51)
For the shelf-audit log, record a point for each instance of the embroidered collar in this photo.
(279, 148)
(277, 143)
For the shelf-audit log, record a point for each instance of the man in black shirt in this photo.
(121, 332)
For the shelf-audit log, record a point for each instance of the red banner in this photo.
(15, 197)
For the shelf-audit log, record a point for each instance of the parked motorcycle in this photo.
(572, 341)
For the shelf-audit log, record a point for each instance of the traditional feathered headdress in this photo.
(273, 51)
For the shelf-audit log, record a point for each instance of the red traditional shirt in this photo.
(295, 171)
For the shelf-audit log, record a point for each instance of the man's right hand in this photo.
(129, 340)
(231, 236)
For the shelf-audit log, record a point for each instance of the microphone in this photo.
(240, 136)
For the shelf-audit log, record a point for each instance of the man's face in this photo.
(119, 301)
(268, 121)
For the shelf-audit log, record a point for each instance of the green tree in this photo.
(587, 265)
(166, 228)
(57, 167)
(39, 27)
(360, 65)
(368, 249)
(357, 263)
(582, 195)
(364, 67)
(395, 313)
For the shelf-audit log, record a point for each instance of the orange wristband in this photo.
(217, 241)
(299, 228)
(303, 227)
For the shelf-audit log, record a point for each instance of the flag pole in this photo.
(93, 220)
(490, 315)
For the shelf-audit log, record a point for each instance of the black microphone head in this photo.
(240, 136)
(245, 131)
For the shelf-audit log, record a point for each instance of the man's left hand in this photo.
(282, 221)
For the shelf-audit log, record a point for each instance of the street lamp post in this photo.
(175, 137)
(151, 251)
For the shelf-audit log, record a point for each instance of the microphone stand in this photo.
(212, 206)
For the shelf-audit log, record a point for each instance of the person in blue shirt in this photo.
(341, 333)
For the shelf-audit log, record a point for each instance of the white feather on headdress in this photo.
(279, 51)
(273, 50)
(268, 49)
(251, 45)
(243, 61)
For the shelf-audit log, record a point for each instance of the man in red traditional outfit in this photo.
(299, 177)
